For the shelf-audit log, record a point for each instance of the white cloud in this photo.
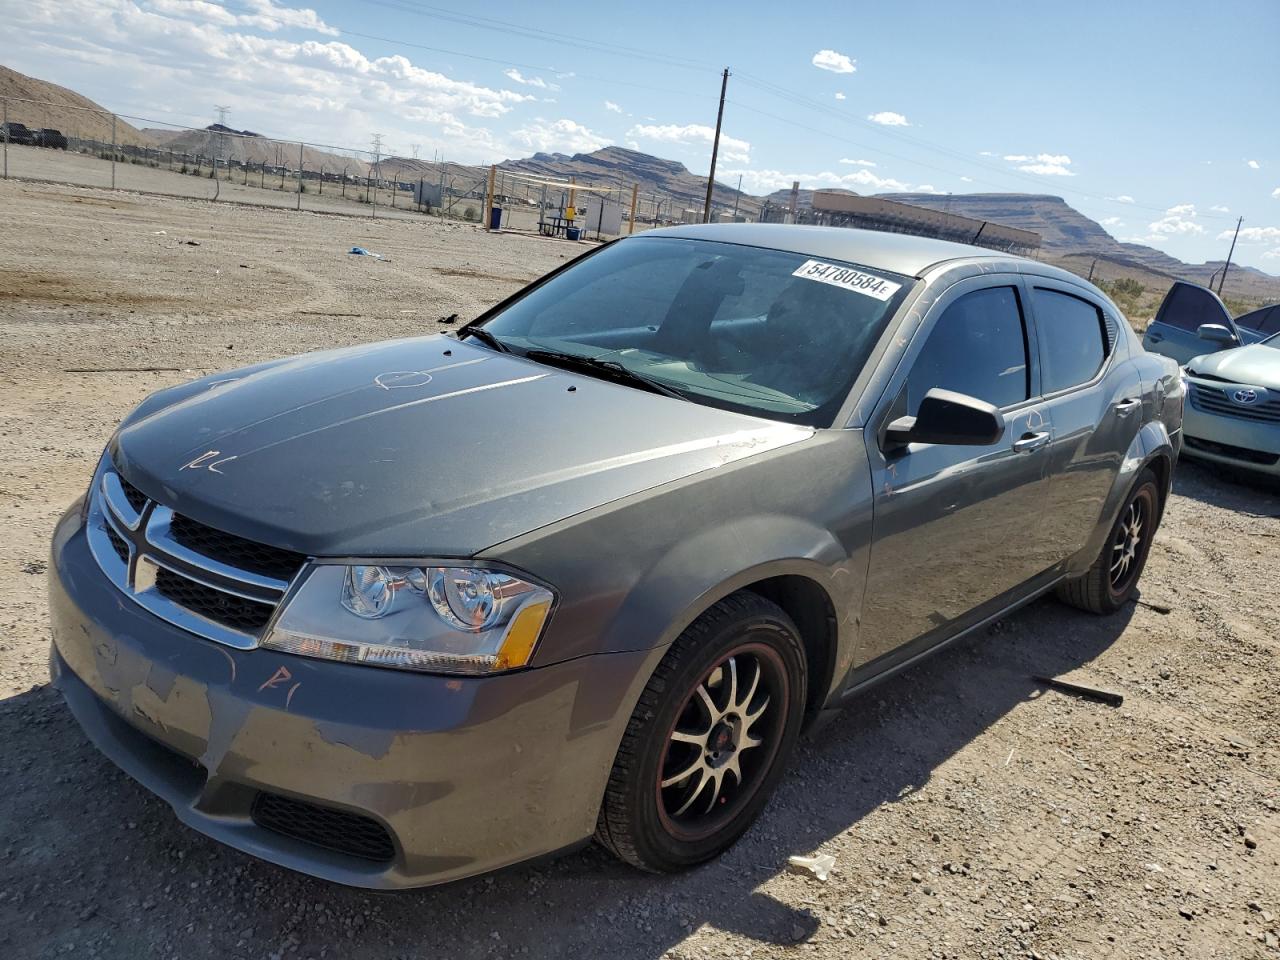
(1219, 208)
(1272, 254)
(1178, 220)
(835, 62)
(887, 118)
(161, 59)
(967, 179)
(1254, 235)
(1042, 164)
(766, 181)
(929, 188)
(266, 15)
(1253, 164)
(857, 163)
(986, 153)
(1123, 198)
(693, 134)
(516, 76)
(840, 96)
(612, 107)
(1112, 222)
(558, 136)
(1275, 194)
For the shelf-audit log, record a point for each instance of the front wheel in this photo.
(709, 738)
(1111, 581)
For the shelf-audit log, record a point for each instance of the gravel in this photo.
(970, 813)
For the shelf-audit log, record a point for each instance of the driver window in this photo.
(978, 347)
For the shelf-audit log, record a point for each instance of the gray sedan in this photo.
(411, 611)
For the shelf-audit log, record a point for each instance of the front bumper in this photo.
(1236, 441)
(464, 775)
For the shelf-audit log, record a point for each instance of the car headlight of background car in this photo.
(433, 618)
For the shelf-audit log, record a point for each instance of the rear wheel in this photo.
(709, 738)
(1113, 578)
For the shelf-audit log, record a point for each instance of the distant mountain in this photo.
(1064, 230)
(253, 149)
(620, 167)
(62, 109)
(1067, 236)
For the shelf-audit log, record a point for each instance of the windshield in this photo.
(767, 332)
(1273, 341)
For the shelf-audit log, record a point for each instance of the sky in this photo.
(1157, 119)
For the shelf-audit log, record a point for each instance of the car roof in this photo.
(895, 252)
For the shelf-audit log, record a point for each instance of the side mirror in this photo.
(948, 417)
(1216, 333)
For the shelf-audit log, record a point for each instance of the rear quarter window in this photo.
(1073, 339)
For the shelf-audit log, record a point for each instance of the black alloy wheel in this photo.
(709, 738)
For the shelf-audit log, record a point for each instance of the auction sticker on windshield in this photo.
(848, 278)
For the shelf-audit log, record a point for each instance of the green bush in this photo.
(470, 214)
(1125, 291)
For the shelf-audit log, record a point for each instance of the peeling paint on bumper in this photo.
(466, 774)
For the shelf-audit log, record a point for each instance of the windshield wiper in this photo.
(484, 336)
(610, 369)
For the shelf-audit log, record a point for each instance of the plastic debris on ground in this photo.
(819, 867)
(362, 252)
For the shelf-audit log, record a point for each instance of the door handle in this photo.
(1154, 337)
(1127, 406)
(1030, 441)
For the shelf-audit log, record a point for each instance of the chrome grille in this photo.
(211, 583)
(1219, 400)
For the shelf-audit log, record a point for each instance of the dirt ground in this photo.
(970, 814)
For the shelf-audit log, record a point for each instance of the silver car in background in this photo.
(1232, 372)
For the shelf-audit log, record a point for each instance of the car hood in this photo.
(1256, 365)
(423, 447)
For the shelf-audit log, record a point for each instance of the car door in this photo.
(1259, 324)
(956, 528)
(1092, 398)
(1185, 307)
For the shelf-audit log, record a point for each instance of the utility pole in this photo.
(222, 113)
(377, 159)
(715, 147)
(1227, 266)
(737, 198)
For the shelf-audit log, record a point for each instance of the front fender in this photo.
(634, 574)
(1152, 443)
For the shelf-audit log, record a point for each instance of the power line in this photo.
(536, 33)
(798, 99)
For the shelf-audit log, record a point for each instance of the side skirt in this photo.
(868, 676)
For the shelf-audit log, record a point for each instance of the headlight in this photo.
(438, 619)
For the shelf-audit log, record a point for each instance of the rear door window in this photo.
(1187, 306)
(1072, 335)
(1265, 321)
(978, 347)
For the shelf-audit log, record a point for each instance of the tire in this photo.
(1106, 587)
(744, 658)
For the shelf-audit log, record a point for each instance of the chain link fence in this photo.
(70, 144)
